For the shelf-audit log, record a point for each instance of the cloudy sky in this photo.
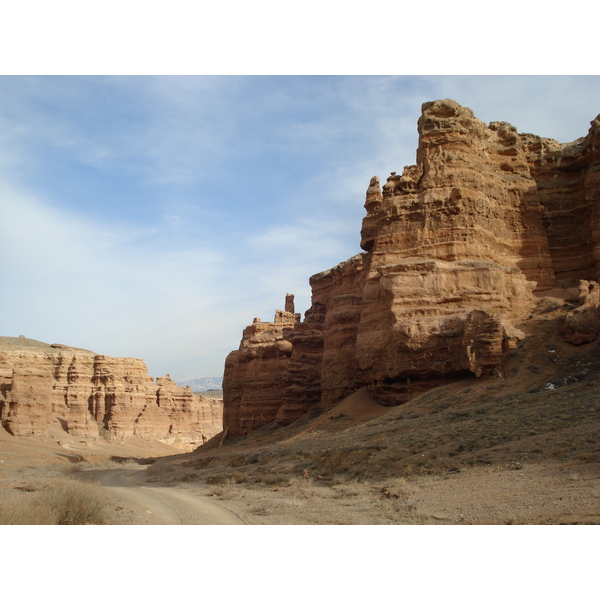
(154, 216)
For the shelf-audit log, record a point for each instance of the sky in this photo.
(156, 216)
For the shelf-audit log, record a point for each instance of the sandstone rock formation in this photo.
(93, 395)
(454, 249)
(256, 375)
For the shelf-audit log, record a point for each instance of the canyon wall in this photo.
(256, 375)
(455, 251)
(92, 395)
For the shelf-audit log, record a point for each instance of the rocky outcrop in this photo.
(190, 419)
(568, 182)
(454, 249)
(93, 395)
(255, 376)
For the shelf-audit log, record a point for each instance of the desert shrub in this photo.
(76, 503)
(460, 414)
(226, 490)
(301, 486)
(216, 478)
(161, 471)
(347, 489)
(62, 503)
(338, 480)
(393, 508)
(271, 478)
(202, 463)
(242, 460)
(338, 417)
(392, 500)
(25, 511)
(239, 477)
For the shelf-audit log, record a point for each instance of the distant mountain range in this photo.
(202, 384)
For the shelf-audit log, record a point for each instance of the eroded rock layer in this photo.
(92, 395)
(454, 249)
(256, 375)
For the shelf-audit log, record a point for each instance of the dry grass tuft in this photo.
(61, 503)
(226, 490)
(162, 471)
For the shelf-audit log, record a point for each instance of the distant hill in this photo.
(202, 384)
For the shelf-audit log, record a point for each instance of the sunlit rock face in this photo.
(256, 375)
(454, 250)
(93, 395)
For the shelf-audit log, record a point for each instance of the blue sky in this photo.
(155, 216)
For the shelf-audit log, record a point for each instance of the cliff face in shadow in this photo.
(457, 250)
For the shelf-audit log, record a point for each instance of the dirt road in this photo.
(142, 504)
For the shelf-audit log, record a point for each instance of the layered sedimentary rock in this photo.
(256, 375)
(190, 418)
(568, 182)
(92, 395)
(454, 249)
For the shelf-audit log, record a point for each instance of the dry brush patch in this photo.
(307, 498)
(61, 502)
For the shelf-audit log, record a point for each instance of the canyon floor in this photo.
(522, 447)
(172, 490)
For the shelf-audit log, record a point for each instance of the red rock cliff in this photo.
(92, 395)
(454, 249)
(256, 375)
